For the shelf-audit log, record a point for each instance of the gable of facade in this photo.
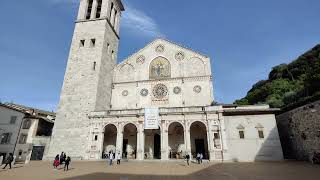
(162, 74)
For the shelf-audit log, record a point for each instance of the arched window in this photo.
(89, 9)
(98, 13)
(159, 68)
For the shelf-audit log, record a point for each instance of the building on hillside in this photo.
(25, 131)
(156, 104)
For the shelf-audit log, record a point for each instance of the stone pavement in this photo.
(135, 170)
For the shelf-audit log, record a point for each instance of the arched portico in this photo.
(109, 139)
(176, 140)
(129, 148)
(198, 139)
(152, 144)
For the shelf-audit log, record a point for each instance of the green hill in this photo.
(289, 85)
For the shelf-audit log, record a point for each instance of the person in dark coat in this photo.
(66, 163)
(188, 159)
(8, 161)
(61, 158)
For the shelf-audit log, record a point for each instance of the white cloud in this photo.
(140, 24)
(133, 20)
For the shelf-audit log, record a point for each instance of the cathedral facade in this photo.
(156, 104)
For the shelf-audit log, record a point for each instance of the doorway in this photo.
(37, 153)
(157, 147)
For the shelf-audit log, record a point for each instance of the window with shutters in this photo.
(23, 139)
(5, 138)
(13, 119)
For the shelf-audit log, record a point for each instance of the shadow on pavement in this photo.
(199, 175)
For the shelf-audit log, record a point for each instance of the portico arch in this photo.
(198, 139)
(176, 140)
(129, 150)
(110, 139)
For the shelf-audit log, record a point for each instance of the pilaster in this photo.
(164, 141)
(140, 142)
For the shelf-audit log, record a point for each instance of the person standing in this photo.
(188, 158)
(118, 157)
(66, 163)
(110, 158)
(61, 158)
(8, 161)
(198, 158)
(56, 161)
(201, 157)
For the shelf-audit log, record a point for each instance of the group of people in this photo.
(58, 160)
(8, 161)
(112, 156)
(199, 158)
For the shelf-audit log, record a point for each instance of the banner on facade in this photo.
(151, 118)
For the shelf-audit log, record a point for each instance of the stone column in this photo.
(112, 17)
(94, 9)
(117, 23)
(164, 141)
(82, 9)
(140, 142)
(105, 9)
(187, 139)
(119, 143)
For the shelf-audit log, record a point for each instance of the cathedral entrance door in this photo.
(156, 147)
(200, 147)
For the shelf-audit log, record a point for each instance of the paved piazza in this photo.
(166, 170)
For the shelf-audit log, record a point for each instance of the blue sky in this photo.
(244, 40)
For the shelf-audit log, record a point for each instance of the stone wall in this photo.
(299, 131)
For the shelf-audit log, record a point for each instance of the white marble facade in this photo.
(102, 109)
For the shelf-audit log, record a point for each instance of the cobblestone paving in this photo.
(134, 170)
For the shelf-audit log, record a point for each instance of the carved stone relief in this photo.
(197, 89)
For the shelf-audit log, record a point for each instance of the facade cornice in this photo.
(197, 78)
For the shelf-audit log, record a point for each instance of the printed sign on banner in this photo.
(151, 118)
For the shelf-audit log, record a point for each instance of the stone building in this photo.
(299, 131)
(25, 131)
(156, 104)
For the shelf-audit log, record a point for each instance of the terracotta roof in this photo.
(26, 108)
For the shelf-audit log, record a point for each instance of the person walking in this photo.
(188, 158)
(198, 158)
(118, 157)
(56, 162)
(110, 158)
(201, 157)
(8, 161)
(66, 163)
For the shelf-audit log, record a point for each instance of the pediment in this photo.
(183, 62)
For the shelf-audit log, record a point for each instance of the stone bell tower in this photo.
(88, 78)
